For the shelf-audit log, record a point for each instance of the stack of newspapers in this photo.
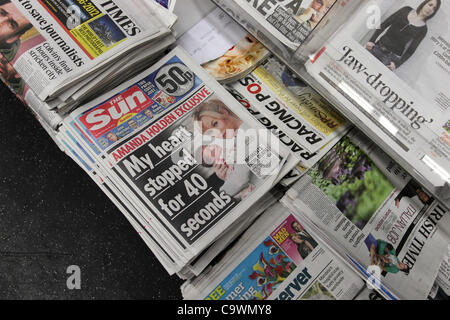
(356, 215)
(383, 64)
(56, 54)
(179, 155)
(268, 262)
(388, 69)
(239, 177)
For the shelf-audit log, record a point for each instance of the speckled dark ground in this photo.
(52, 216)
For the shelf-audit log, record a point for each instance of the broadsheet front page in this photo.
(389, 66)
(370, 207)
(144, 136)
(278, 259)
(54, 43)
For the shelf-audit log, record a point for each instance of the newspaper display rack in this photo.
(384, 66)
(222, 155)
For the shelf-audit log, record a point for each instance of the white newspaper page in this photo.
(383, 218)
(389, 66)
(52, 43)
(290, 21)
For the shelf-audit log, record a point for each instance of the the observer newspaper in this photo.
(290, 21)
(364, 202)
(393, 77)
(180, 147)
(52, 44)
(276, 259)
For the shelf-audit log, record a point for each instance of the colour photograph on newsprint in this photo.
(235, 151)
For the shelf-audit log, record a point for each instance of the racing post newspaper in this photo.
(302, 120)
(388, 66)
(289, 21)
(276, 259)
(371, 212)
(182, 151)
(54, 44)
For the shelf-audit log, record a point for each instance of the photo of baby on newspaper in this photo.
(215, 120)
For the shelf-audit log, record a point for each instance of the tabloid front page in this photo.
(146, 136)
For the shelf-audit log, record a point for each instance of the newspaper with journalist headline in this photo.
(183, 150)
(389, 67)
(55, 43)
(370, 207)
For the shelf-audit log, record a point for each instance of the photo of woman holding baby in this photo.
(214, 119)
(401, 34)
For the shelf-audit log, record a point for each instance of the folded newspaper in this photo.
(289, 22)
(276, 259)
(223, 47)
(73, 51)
(182, 151)
(376, 216)
(388, 66)
(302, 120)
(54, 44)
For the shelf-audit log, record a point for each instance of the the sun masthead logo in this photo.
(107, 116)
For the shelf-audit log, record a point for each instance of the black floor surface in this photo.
(53, 216)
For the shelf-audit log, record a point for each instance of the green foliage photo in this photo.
(352, 181)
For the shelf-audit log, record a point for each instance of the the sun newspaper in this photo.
(182, 150)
